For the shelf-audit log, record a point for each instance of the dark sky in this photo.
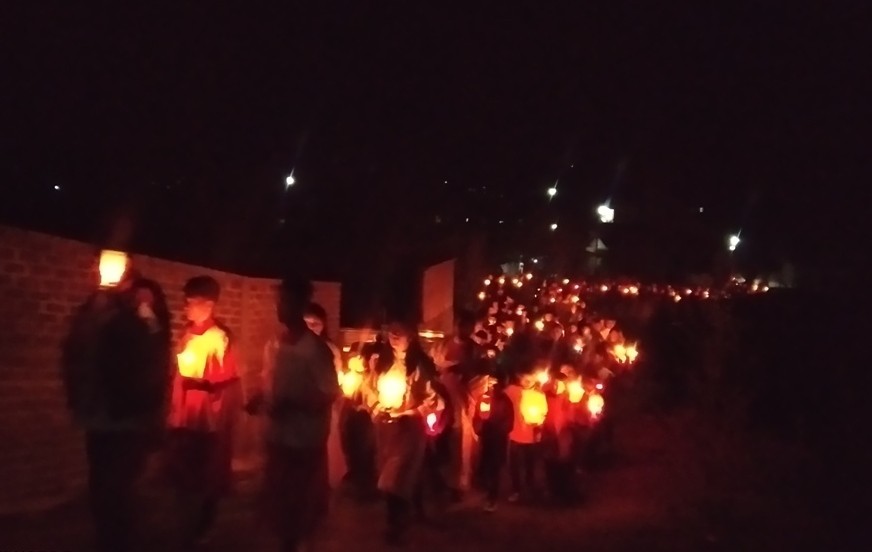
(185, 122)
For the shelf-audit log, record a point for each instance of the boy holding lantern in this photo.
(206, 397)
(530, 409)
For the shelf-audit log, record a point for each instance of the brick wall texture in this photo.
(43, 279)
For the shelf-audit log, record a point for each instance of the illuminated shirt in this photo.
(291, 371)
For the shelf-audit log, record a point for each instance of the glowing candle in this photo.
(391, 390)
(595, 405)
(534, 406)
(113, 265)
(575, 390)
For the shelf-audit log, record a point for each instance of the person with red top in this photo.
(206, 397)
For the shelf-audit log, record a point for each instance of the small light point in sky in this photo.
(552, 191)
(553, 226)
(56, 187)
(290, 181)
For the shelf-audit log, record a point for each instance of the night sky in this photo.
(184, 124)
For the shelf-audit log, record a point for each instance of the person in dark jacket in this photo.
(493, 427)
(115, 365)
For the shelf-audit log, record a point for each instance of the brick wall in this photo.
(42, 280)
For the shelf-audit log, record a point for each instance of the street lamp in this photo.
(552, 191)
(733, 242)
(289, 181)
(606, 213)
(553, 226)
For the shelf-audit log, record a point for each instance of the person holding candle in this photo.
(298, 390)
(206, 397)
(400, 396)
(115, 367)
(529, 411)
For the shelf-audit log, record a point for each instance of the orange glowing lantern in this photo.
(391, 390)
(534, 406)
(540, 325)
(595, 405)
(575, 390)
(501, 280)
(542, 376)
(481, 295)
(113, 265)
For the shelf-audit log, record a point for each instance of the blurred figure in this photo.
(316, 319)
(400, 397)
(115, 363)
(299, 389)
(493, 427)
(206, 399)
(523, 440)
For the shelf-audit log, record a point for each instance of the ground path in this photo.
(644, 502)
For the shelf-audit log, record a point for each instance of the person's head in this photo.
(201, 294)
(400, 336)
(294, 295)
(609, 324)
(316, 318)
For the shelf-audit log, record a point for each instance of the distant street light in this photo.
(606, 213)
(553, 226)
(733, 242)
(552, 191)
(289, 181)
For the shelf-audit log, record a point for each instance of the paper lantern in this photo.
(534, 406)
(575, 391)
(391, 390)
(350, 382)
(193, 359)
(595, 405)
(113, 265)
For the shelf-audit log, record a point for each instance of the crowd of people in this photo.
(516, 391)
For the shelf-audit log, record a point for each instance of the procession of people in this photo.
(517, 394)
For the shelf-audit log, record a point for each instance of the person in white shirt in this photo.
(299, 388)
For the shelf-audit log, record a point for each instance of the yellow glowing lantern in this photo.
(481, 295)
(534, 406)
(509, 331)
(113, 265)
(540, 325)
(578, 347)
(604, 288)
(391, 390)
(560, 387)
(529, 276)
(566, 281)
(484, 406)
(632, 352)
(677, 298)
(574, 299)
(501, 280)
(487, 282)
(192, 360)
(620, 352)
(595, 405)
(575, 390)
(355, 364)
(350, 382)
(542, 376)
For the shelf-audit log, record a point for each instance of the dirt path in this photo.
(646, 501)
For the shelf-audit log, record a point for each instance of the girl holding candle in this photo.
(400, 396)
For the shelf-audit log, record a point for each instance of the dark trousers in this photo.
(494, 449)
(115, 461)
(398, 511)
(431, 484)
(523, 459)
(560, 480)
